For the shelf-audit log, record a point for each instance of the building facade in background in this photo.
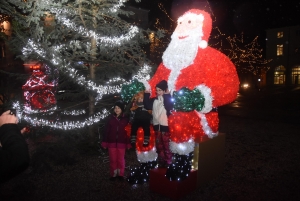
(283, 47)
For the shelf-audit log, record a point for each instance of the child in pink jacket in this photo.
(116, 140)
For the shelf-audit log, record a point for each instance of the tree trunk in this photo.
(92, 128)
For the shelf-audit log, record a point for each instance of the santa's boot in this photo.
(180, 167)
(140, 174)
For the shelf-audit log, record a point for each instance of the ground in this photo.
(261, 163)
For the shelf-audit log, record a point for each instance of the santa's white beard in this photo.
(181, 52)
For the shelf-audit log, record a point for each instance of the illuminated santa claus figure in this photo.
(200, 79)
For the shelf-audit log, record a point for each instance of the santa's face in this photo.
(188, 23)
(186, 38)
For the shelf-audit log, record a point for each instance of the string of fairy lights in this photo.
(107, 41)
(247, 57)
(142, 74)
(4, 18)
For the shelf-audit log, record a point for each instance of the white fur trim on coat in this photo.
(207, 130)
(147, 156)
(206, 91)
(146, 84)
(183, 148)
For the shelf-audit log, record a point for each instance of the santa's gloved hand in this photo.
(186, 100)
(180, 167)
(129, 90)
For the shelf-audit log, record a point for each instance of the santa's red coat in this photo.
(212, 69)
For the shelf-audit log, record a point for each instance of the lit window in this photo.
(296, 75)
(280, 34)
(279, 50)
(279, 75)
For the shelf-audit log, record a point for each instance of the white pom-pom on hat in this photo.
(203, 44)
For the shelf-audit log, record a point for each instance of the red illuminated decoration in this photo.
(39, 91)
(189, 62)
(140, 139)
(192, 67)
(210, 71)
(35, 67)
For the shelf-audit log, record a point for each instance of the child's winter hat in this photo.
(120, 104)
(163, 85)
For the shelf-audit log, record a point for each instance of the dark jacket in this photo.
(140, 114)
(14, 155)
(115, 135)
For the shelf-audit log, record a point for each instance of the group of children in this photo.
(116, 139)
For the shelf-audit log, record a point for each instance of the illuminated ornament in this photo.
(39, 91)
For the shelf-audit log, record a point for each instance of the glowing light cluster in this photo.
(102, 40)
(74, 112)
(248, 57)
(117, 6)
(68, 125)
(33, 47)
(182, 148)
(181, 167)
(140, 174)
(144, 154)
(188, 100)
(142, 74)
(39, 92)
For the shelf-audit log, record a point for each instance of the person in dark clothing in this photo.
(161, 107)
(116, 140)
(140, 118)
(14, 155)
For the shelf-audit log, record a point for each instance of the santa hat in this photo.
(207, 22)
(163, 85)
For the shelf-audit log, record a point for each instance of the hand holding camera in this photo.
(8, 117)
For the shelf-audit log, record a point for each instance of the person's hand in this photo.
(7, 118)
(167, 91)
(24, 130)
(147, 91)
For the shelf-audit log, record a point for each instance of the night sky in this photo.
(255, 16)
(252, 17)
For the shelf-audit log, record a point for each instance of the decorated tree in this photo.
(247, 57)
(91, 46)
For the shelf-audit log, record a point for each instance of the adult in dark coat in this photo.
(14, 156)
